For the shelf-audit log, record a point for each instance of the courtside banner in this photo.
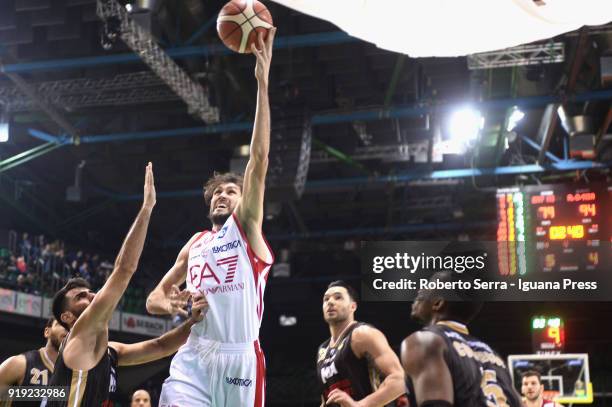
(141, 324)
(487, 271)
(28, 304)
(7, 300)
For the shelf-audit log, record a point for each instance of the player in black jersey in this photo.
(87, 361)
(355, 367)
(35, 367)
(445, 365)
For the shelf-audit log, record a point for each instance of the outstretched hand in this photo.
(341, 398)
(199, 307)
(178, 301)
(149, 199)
(263, 53)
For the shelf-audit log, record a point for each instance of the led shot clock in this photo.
(548, 334)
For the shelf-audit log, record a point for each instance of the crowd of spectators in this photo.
(36, 265)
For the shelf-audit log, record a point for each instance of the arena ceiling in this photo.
(374, 110)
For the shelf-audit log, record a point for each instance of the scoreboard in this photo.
(547, 334)
(551, 228)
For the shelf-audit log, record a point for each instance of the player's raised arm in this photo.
(96, 317)
(250, 209)
(423, 360)
(165, 345)
(167, 298)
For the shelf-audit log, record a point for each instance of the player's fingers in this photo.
(182, 313)
(260, 41)
(199, 307)
(270, 39)
(255, 51)
(199, 302)
(263, 45)
(151, 176)
(179, 304)
(147, 174)
(334, 392)
(333, 396)
(331, 400)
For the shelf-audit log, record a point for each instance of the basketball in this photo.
(239, 23)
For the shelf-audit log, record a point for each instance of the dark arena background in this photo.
(366, 145)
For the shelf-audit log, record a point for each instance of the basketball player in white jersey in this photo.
(222, 364)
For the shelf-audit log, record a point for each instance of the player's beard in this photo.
(341, 317)
(56, 342)
(219, 219)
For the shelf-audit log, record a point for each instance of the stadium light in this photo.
(515, 117)
(465, 125)
(4, 125)
(287, 320)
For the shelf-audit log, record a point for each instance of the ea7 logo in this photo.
(238, 382)
(198, 273)
(231, 263)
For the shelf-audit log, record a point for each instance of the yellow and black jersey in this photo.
(38, 371)
(339, 368)
(480, 376)
(94, 387)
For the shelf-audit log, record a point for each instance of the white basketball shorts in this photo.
(206, 373)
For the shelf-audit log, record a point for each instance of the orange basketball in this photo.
(239, 23)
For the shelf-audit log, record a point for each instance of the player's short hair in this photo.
(49, 322)
(351, 291)
(219, 179)
(532, 373)
(459, 306)
(59, 299)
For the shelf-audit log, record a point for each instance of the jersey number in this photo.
(493, 393)
(39, 377)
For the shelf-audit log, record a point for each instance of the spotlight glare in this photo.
(4, 132)
(515, 117)
(465, 125)
(128, 7)
(287, 320)
(4, 124)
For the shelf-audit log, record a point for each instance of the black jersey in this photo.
(38, 372)
(38, 368)
(480, 377)
(339, 368)
(87, 388)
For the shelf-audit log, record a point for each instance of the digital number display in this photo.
(548, 334)
(551, 228)
(566, 232)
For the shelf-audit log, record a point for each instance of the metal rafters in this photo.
(518, 56)
(115, 16)
(387, 153)
(71, 94)
(85, 85)
(133, 88)
(41, 101)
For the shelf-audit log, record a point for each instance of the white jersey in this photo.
(223, 267)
